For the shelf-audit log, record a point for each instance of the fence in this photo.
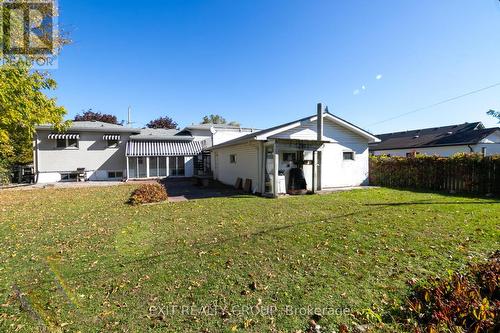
(464, 173)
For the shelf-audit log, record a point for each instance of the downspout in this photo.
(35, 158)
(471, 149)
(315, 170)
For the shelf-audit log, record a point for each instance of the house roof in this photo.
(462, 134)
(263, 134)
(93, 126)
(160, 134)
(209, 126)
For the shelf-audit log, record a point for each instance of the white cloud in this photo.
(378, 77)
(355, 92)
(363, 87)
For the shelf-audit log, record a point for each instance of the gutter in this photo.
(36, 158)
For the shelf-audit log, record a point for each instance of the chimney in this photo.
(320, 121)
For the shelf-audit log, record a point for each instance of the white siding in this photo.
(337, 172)
(491, 148)
(246, 166)
(92, 154)
(223, 135)
(306, 131)
(331, 131)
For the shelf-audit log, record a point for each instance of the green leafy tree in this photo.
(23, 103)
(218, 119)
(495, 114)
(23, 106)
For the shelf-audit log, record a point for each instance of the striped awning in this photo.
(111, 137)
(164, 148)
(55, 136)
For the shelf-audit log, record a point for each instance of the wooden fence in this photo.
(465, 173)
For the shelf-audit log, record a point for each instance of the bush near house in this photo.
(148, 193)
(4, 172)
(464, 173)
(460, 303)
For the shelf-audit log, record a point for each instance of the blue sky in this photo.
(264, 62)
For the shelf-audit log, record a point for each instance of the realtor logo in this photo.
(28, 29)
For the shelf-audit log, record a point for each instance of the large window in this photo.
(142, 168)
(67, 143)
(176, 166)
(153, 167)
(162, 167)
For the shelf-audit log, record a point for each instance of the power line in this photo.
(436, 104)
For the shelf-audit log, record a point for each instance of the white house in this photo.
(114, 152)
(329, 152)
(443, 141)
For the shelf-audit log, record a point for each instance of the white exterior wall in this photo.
(246, 166)
(491, 149)
(337, 172)
(223, 135)
(92, 154)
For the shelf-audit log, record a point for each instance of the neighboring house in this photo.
(114, 152)
(329, 151)
(442, 141)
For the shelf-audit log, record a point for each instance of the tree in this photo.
(495, 114)
(90, 115)
(23, 106)
(162, 122)
(217, 119)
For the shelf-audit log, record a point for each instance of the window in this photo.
(289, 157)
(153, 167)
(69, 176)
(61, 143)
(115, 174)
(348, 155)
(232, 158)
(67, 143)
(113, 143)
(176, 166)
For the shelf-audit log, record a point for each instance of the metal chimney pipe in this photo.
(320, 121)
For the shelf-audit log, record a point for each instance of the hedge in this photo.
(461, 173)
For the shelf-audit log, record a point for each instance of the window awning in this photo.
(55, 136)
(164, 148)
(111, 137)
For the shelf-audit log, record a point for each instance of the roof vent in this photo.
(449, 133)
(416, 136)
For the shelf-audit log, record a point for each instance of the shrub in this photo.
(460, 303)
(148, 193)
(5, 172)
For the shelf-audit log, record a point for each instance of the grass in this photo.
(84, 260)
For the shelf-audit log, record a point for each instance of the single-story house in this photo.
(317, 152)
(103, 151)
(443, 141)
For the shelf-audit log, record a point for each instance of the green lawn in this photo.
(86, 261)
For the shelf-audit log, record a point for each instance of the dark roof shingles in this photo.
(468, 133)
